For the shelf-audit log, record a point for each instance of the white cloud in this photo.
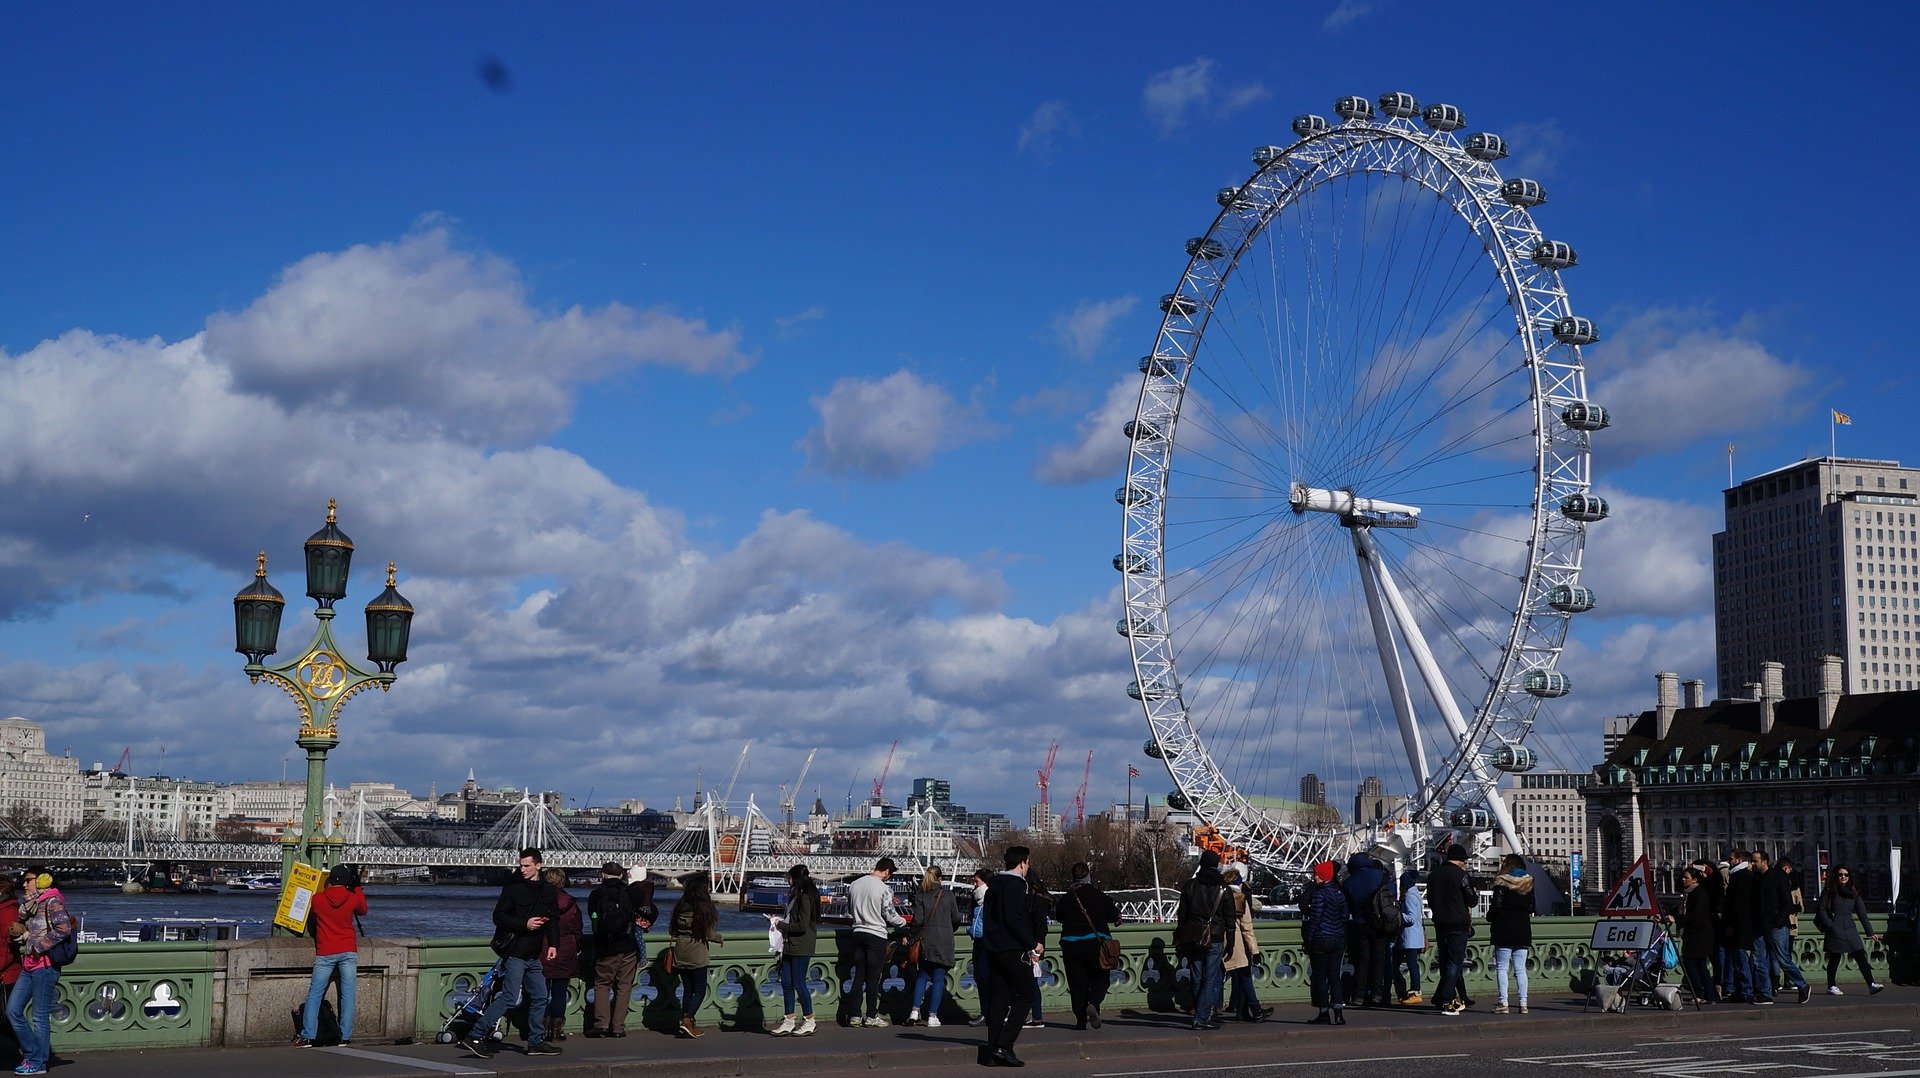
(1536, 148)
(1670, 379)
(884, 428)
(1087, 328)
(794, 325)
(445, 335)
(1099, 450)
(1175, 96)
(1651, 557)
(1344, 13)
(1050, 124)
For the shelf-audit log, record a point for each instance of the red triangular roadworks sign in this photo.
(1633, 896)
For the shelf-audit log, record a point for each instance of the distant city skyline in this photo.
(769, 384)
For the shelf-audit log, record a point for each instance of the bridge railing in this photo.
(136, 995)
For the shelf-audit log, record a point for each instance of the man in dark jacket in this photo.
(1451, 898)
(610, 908)
(527, 930)
(1739, 929)
(1011, 944)
(1367, 946)
(1206, 906)
(1773, 944)
(1087, 916)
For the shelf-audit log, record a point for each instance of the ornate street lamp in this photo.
(321, 680)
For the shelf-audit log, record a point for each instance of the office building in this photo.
(1819, 558)
(1312, 790)
(31, 779)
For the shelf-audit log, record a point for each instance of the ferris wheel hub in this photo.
(1353, 510)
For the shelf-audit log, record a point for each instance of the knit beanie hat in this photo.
(1324, 872)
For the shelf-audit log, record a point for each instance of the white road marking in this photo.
(1743, 1039)
(1273, 1066)
(405, 1061)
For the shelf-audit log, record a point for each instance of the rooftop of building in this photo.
(1721, 731)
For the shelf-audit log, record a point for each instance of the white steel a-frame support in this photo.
(1379, 584)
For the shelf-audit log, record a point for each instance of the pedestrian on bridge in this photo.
(9, 958)
(1087, 916)
(870, 899)
(936, 914)
(694, 927)
(1239, 965)
(44, 925)
(1205, 929)
(1012, 945)
(1409, 951)
(1323, 932)
(526, 933)
(799, 941)
(336, 952)
(1510, 928)
(564, 966)
(610, 908)
(1451, 897)
(1840, 907)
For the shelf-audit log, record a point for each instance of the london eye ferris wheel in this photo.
(1358, 485)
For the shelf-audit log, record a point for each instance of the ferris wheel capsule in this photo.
(1586, 508)
(1554, 255)
(1353, 108)
(1131, 564)
(1157, 366)
(1399, 105)
(1443, 117)
(1310, 125)
(1150, 690)
(1205, 247)
(1525, 193)
(1512, 759)
(1546, 684)
(1570, 599)
(1266, 155)
(1471, 819)
(1178, 802)
(1135, 627)
(1574, 329)
(1585, 415)
(1140, 430)
(1486, 146)
(1176, 304)
(1133, 494)
(1152, 748)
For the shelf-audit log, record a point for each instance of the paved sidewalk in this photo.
(1127, 1035)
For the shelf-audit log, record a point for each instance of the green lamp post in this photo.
(321, 680)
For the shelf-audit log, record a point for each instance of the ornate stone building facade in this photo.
(1795, 777)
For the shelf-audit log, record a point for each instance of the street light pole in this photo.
(321, 680)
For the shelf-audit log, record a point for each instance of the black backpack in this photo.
(1383, 913)
(611, 907)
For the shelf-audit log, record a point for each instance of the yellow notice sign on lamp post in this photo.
(296, 897)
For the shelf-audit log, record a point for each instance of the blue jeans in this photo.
(1742, 966)
(1209, 971)
(933, 979)
(39, 989)
(1514, 958)
(1453, 966)
(324, 968)
(1406, 963)
(1779, 949)
(520, 977)
(793, 982)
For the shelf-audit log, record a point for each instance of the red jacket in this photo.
(333, 911)
(9, 956)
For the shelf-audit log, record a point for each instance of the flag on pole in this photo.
(1133, 772)
(1842, 418)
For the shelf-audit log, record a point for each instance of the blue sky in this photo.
(725, 378)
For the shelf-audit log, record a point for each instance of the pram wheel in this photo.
(443, 1037)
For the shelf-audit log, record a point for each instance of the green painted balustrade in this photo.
(129, 995)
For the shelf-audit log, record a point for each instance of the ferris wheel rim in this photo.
(1555, 375)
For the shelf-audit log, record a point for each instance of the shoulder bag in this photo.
(1109, 947)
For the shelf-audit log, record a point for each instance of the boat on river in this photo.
(264, 882)
(174, 930)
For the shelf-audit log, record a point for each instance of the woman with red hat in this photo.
(1324, 932)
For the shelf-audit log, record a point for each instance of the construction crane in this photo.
(726, 799)
(1046, 776)
(1080, 795)
(789, 793)
(880, 783)
(126, 760)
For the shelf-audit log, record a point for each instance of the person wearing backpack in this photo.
(1510, 926)
(46, 941)
(336, 950)
(611, 910)
(1373, 920)
(1204, 927)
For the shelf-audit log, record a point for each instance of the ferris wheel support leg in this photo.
(1437, 687)
(1390, 662)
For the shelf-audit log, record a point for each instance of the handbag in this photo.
(502, 941)
(1109, 947)
(665, 961)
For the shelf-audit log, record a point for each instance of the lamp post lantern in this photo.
(321, 680)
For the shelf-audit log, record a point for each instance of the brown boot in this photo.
(694, 1030)
(686, 1028)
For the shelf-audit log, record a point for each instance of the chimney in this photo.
(1771, 675)
(1752, 689)
(1829, 689)
(1667, 702)
(1696, 692)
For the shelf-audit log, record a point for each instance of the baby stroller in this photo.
(1638, 978)
(460, 1024)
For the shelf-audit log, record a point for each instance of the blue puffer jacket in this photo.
(1364, 877)
(1325, 917)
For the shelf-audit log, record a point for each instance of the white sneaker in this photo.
(933, 1021)
(785, 1028)
(1834, 990)
(879, 1021)
(806, 1027)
